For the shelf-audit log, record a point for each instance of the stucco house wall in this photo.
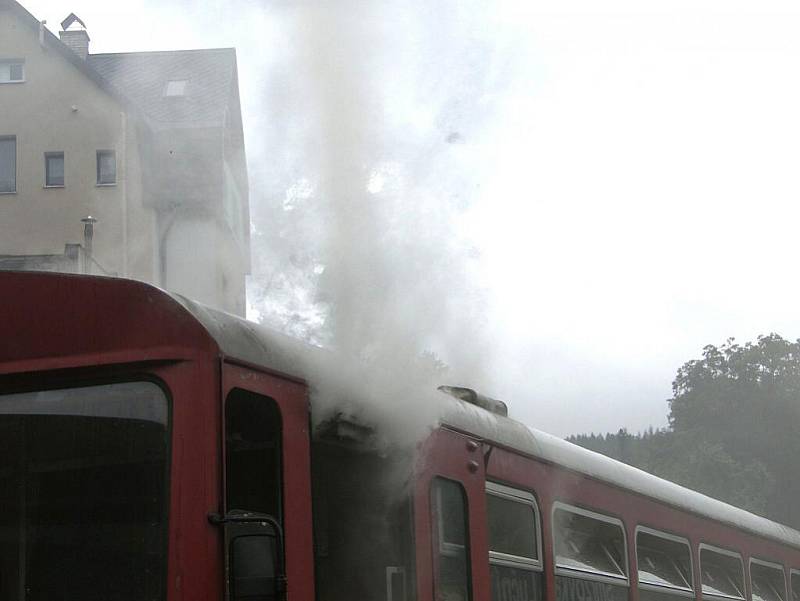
(178, 214)
(59, 109)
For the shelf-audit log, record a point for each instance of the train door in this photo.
(267, 463)
(450, 510)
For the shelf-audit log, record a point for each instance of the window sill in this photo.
(51, 187)
(114, 185)
(10, 82)
(7, 193)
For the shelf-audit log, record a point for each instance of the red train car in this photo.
(154, 449)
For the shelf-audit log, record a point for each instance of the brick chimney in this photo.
(73, 34)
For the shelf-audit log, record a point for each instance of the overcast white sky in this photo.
(634, 168)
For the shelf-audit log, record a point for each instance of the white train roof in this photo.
(515, 435)
(258, 345)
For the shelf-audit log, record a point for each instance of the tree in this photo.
(744, 401)
(734, 416)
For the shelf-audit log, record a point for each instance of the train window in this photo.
(589, 543)
(767, 581)
(795, 582)
(513, 524)
(590, 555)
(450, 523)
(514, 544)
(722, 573)
(83, 487)
(252, 453)
(664, 564)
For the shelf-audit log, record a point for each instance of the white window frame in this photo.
(586, 574)
(790, 592)
(720, 551)
(662, 588)
(526, 498)
(14, 61)
(182, 94)
(768, 564)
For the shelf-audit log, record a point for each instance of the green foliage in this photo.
(733, 417)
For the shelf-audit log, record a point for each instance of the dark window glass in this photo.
(15, 72)
(450, 526)
(663, 561)
(83, 489)
(106, 167)
(54, 168)
(589, 544)
(722, 574)
(253, 556)
(253, 458)
(795, 587)
(8, 164)
(512, 526)
(767, 582)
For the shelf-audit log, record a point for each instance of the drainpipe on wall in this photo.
(88, 235)
(122, 169)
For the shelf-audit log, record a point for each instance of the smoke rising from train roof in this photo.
(636, 197)
(384, 132)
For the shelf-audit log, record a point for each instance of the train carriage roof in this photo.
(95, 305)
(258, 345)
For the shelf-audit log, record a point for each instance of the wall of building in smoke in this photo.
(143, 249)
(201, 261)
(164, 175)
(59, 109)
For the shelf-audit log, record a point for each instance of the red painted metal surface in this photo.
(65, 330)
(550, 483)
(60, 330)
(449, 455)
(51, 321)
(195, 546)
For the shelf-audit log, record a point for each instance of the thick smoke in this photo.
(386, 95)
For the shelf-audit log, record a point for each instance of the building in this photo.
(148, 144)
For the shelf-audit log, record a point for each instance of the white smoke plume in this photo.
(387, 101)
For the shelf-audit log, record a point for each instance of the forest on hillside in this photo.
(734, 429)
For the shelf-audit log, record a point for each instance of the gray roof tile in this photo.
(142, 77)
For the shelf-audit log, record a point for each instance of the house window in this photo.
(8, 164)
(54, 169)
(106, 168)
(176, 87)
(12, 71)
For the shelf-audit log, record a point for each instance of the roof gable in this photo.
(51, 42)
(139, 79)
(200, 88)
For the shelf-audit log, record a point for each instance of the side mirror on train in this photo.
(254, 567)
